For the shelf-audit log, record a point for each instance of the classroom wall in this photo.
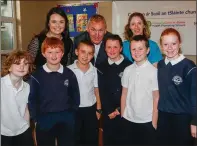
(33, 13)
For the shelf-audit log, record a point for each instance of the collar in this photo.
(175, 61)
(8, 82)
(60, 70)
(98, 45)
(143, 65)
(76, 67)
(116, 62)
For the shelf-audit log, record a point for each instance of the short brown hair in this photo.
(128, 34)
(52, 42)
(97, 18)
(14, 58)
(86, 42)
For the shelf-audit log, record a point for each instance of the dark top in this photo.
(35, 49)
(52, 93)
(101, 54)
(109, 82)
(177, 87)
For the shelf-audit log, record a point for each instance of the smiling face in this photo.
(85, 53)
(56, 24)
(139, 51)
(19, 69)
(136, 26)
(96, 31)
(53, 55)
(170, 45)
(113, 49)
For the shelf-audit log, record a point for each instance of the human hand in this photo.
(112, 115)
(98, 115)
(154, 124)
(193, 131)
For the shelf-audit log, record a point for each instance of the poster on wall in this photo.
(160, 15)
(78, 15)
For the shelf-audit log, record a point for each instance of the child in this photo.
(177, 89)
(110, 73)
(86, 117)
(54, 97)
(15, 125)
(140, 96)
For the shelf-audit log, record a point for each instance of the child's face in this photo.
(113, 49)
(19, 69)
(85, 53)
(139, 51)
(170, 46)
(53, 55)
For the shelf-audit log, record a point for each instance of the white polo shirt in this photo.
(87, 82)
(140, 81)
(13, 104)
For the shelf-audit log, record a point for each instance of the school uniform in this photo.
(177, 103)
(86, 120)
(53, 101)
(110, 89)
(140, 81)
(15, 129)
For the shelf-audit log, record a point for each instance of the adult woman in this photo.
(56, 26)
(137, 25)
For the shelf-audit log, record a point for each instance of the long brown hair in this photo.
(128, 34)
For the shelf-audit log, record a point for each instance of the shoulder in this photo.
(81, 36)
(160, 63)
(68, 71)
(71, 67)
(189, 65)
(129, 68)
(126, 43)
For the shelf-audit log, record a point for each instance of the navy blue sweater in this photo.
(109, 81)
(177, 87)
(52, 92)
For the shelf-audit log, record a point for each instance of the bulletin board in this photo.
(78, 16)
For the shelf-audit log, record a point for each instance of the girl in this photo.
(15, 127)
(177, 88)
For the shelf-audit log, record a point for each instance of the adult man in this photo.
(96, 33)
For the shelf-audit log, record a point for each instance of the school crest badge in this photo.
(177, 80)
(66, 82)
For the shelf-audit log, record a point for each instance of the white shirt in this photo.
(140, 82)
(97, 47)
(60, 70)
(13, 104)
(116, 62)
(87, 82)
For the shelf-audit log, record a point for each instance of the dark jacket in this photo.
(101, 54)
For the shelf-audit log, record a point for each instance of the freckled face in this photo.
(170, 46)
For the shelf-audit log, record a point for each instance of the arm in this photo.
(32, 99)
(26, 115)
(98, 102)
(123, 100)
(74, 93)
(33, 47)
(155, 109)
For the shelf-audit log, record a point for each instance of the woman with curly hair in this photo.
(15, 125)
(137, 25)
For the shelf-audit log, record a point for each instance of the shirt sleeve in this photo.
(125, 77)
(155, 81)
(33, 47)
(95, 78)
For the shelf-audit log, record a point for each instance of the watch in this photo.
(99, 111)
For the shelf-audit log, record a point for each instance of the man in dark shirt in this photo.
(96, 33)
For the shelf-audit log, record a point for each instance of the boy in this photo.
(140, 95)
(54, 97)
(110, 73)
(86, 118)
